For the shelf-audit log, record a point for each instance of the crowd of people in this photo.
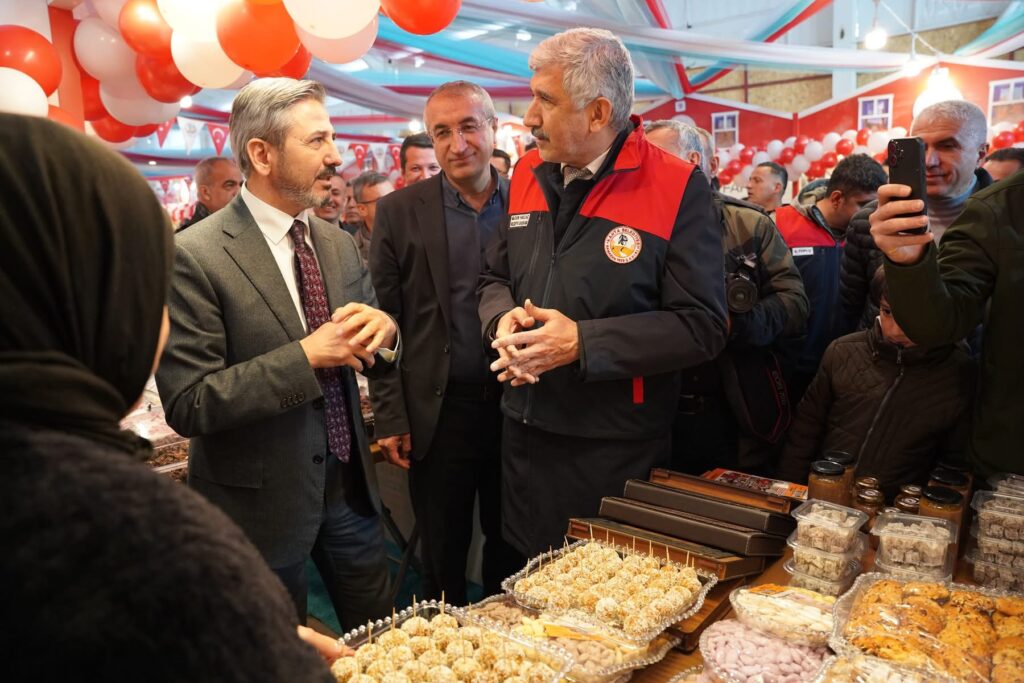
(530, 344)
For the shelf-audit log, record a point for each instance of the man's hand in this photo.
(327, 647)
(515, 320)
(396, 449)
(887, 222)
(531, 353)
(366, 326)
(329, 347)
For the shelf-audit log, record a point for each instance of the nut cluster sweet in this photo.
(828, 528)
(918, 544)
(820, 565)
(636, 593)
(1002, 517)
(440, 650)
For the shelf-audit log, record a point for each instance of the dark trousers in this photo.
(704, 436)
(463, 462)
(349, 555)
(549, 478)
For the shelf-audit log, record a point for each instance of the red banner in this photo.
(219, 135)
(162, 131)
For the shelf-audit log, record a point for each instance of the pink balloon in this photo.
(340, 50)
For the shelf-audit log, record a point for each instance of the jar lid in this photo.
(952, 465)
(943, 495)
(827, 468)
(891, 511)
(871, 496)
(912, 490)
(948, 477)
(867, 483)
(842, 457)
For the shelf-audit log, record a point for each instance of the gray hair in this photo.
(969, 117)
(596, 64)
(366, 179)
(688, 139)
(261, 110)
(204, 169)
(462, 88)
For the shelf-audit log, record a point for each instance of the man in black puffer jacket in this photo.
(954, 133)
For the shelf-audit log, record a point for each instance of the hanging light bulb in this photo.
(877, 36)
(940, 89)
(415, 125)
(186, 102)
(915, 64)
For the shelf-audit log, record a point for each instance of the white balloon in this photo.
(20, 94)
(813, 150)
(332, 20)
(860, 149)
(736, 149)
(791, 172)
(203, 63)
(723, 157)
(340, 50)
(102, 52)
(136, 110)
(1002, 126)
(830, 140)
(898, 132)
(877, 142)
(241, 81)
(850, 134)
(760, 158)
(800, 164)
(1018, 145)
(108, 10)
(790, 141)
(194, 19)
(774, 148)
(744, 175)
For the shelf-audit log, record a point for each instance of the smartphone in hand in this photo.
(907, 167)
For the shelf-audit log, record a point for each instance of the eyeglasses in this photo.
(468, 129)
(368, 201)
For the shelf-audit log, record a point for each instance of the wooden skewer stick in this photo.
(591, 531)
(393, 618)
(442, 602)
(414, 606)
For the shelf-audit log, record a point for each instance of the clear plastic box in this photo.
(994, 575)
(794, 614)
(926, 574)
(999, 515)
(912, 541)
(831, 588)
(827, 526)
(1007, 483)
(825, 565)
(998, 550)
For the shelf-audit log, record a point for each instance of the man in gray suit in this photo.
(260, 373)
(440, 419)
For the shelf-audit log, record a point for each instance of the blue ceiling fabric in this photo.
(1008, 26)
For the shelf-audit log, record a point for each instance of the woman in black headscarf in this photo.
(109, 572)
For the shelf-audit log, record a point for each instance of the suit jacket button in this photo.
(318, 403)
(437, 391)
(446, 348)
(318, 459)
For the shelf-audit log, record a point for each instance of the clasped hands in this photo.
(525, 352)
(353, 334)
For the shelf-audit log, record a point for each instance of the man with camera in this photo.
(814, 227)
(727, 416)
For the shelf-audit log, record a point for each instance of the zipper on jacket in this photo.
(881, 406)
(543, 304)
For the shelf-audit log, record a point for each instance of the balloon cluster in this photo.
(139, 58)
(1005, 134)
(802, 155)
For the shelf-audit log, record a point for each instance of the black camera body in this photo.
(741, 290)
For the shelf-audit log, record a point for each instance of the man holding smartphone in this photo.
(954, 136)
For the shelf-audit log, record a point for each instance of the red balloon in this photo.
(144, 29)
(421, 16)
(862, 136)
(1018, 132)
(161, 79)
(29, 52)
(816, 170)
(799, 144)
(786, 155)
(1004, 139)
(145, 131)
(844, 147)
(260, 38)
(62, 116)
(724, 178)
(92, 106)
(829, 159)
(882, 157)
(747, 154)
(296, 67)
(734, 166)
(112, 130)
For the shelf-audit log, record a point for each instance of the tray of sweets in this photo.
(865, 669)
(967, 633)
(432, 641)
(632, 595)
(597, 657)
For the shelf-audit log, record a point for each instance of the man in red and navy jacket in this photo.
(814, 227)
(603, 283)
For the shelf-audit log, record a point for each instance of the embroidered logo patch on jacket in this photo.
(622, 244)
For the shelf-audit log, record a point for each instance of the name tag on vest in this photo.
(803, 251)
(519, 220)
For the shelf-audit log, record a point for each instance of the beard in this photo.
(302, 192)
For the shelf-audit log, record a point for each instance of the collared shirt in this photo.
(468, 233)
(594, 166)
(275, 224)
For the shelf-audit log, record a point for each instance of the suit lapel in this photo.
(250, 251)
(328, 254)
(429, 217)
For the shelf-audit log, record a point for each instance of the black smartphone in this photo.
(906, 167)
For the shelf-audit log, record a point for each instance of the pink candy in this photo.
(738, 654)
